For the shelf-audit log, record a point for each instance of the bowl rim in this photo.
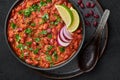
(17, 2)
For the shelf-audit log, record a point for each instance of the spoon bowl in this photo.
(90, 51)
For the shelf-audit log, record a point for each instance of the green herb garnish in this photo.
(49, 48)
(45, 17)
(44, 32)
(49, 58)
(62, 49)
(42, 4)
(51, 64)
(48, 1)
(28, 31)
(37, 39)
(27, 12)
(13, 25)
(31, 49)
(33, 24)
(47, 53)
(55, 55)
(20, 46)
(34, 7)
(28, 43)
(21, 12)
(49, 36)
(22, 55)
(17, 37)
(36, 51)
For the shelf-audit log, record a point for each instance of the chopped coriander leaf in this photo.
(37, 39)
(17, 36)
(42, 4)
(56, 23)
(58, 19)
(22, 55)
(33, 24)
(13, 25)
(45, 16)
(44, 32)
(51, 64)
(62, 49)
(46, 52)
(36, 51)
(31, 49)
(28, 31)
(20, 46)
(28, 43)
(49, 48)
(27, 12)
(49, 36)
(34, 7)
(20, 12)
(55, 55)
(48, 1)
(49, 58)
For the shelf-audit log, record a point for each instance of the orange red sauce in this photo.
(32, 33)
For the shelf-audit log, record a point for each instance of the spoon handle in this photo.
(102, 22)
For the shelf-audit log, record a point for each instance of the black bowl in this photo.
(54, 67)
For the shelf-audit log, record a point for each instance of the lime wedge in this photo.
(76, 21)
(66, 14)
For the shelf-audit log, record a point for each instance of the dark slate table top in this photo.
(108, 67)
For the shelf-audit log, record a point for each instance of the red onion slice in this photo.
(67, 34)
(60, 42)
(62, 37)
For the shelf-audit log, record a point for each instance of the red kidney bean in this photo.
(35, 62)
(49, 30)
(79, 31)
(11, 39)
(25, 53)
(30, 39)
(28, 61)
(53, 30)
(48, 6)
(11, 34)
(79, 2)
(45, 26)
(91, 12)
(24, 35)
(82, 5)
(87, 15)
(95, 23)
(88, 4)
(96, 16)
(87, 23)
(15, 16)
(79, 36)
(19, 29)
(34, 43)
(18, 8)
(22, 40)
(93, 5)
(45, 41)
(66, 56)
(51, 41)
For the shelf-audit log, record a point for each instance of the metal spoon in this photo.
(90, 52)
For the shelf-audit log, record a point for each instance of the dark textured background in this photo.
(108, 68)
